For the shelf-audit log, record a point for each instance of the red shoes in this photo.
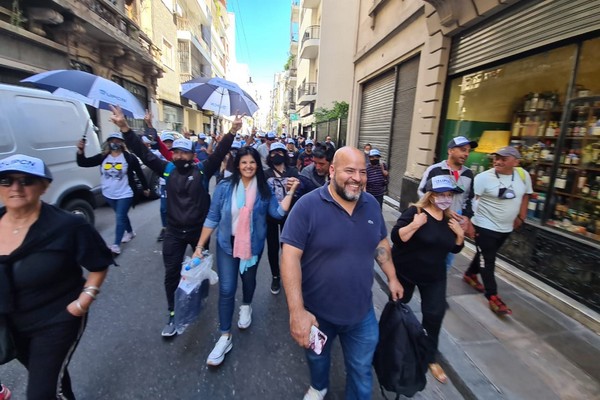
(498, 306)
(474, 282)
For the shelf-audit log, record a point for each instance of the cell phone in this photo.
(316, 340)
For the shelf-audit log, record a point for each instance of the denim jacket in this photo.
(219, 216)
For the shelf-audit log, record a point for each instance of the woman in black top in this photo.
(423, 235)
(280, 177)
(44, 296)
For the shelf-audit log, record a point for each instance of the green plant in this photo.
(339, 110)
(16, 17)
(289, 63)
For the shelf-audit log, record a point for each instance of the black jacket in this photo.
(188, 200)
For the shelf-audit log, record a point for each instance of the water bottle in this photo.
(193, 263)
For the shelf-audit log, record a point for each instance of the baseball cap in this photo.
(167, 136)
(271, 136)
(440, 184)
(202, 136)
(182, 144)
(25, 165)
(460, 141)
(508, 151)
(290, 140)
(146, 140)
(374, 153)
(260, 134)
(236, 145)
(277, 146)
(308, 141)
(116, 135)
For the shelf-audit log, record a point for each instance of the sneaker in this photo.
(115, 249)
(245, 318)
(276, 285)
(161, 235)
(314, 394)
(498, 306)
(4, 393)
(127, 236)
(474, 282)
(169, 329)
(217, 355)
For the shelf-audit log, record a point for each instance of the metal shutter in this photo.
(523, 27)
(404, 103)
(376, 112)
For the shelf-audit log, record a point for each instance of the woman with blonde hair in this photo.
(118, 171)
(423, 236)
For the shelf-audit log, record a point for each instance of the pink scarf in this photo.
(244, 199)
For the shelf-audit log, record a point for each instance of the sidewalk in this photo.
(538, 352)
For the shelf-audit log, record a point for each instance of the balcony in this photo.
(311, 3)
(295, 12)
(187, 31)
(310, 42)
(307, 93)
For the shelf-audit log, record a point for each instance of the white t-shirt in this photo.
(115, 184)
(493, 212)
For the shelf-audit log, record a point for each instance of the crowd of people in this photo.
(292, 194)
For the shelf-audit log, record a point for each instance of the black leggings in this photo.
(46, 353)
(273, 244)
(488, 243)
(433, 308)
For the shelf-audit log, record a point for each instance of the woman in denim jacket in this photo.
(239, 210)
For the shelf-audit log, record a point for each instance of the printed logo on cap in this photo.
(26, 165)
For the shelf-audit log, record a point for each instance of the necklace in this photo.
(17, 229)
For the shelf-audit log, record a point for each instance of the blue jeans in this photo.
(449, 261)
(358, 345)
(121, 208)
(163, 205)
(228, 269)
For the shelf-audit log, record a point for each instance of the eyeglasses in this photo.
(8, 181)
(118, 166)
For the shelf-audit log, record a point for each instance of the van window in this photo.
(61, 120)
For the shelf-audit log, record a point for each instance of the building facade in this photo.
(97, 36)
(500, 72)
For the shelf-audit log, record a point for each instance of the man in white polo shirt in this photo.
(502, 194)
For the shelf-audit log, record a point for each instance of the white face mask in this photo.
(443, 203)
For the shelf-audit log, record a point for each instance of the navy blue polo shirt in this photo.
(338, 253)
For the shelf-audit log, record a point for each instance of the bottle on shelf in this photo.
(581, 181)
(551, 150)
(561, 179)
(595, 188)
(533, 103)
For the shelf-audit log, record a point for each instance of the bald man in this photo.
(329, 241)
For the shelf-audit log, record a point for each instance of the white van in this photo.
(39, 124)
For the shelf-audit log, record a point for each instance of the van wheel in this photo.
(154, 187)
(81, 207)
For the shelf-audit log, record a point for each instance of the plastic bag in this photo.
(192, 291)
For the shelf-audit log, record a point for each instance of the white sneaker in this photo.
(217, 355)
(314, 394)
(245, 318)
(115, 248)
(127, 236)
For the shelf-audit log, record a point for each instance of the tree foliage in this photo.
(339, 110)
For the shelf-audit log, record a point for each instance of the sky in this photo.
(262, 36)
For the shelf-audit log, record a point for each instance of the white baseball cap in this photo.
(25, 165)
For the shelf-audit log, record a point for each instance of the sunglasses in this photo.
(118, 166)
(8, 181)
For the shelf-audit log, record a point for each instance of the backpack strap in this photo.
(521, 173)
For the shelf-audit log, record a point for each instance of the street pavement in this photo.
(537, 353)
(123, 356)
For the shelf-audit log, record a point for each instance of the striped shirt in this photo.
(376, 182)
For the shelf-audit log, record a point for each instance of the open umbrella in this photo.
(89, 88)
(219, 95)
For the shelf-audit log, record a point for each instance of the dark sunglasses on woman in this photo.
(8, 181)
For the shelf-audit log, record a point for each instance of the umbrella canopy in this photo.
(219, 95)
(91, 89)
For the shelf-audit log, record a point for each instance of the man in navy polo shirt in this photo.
(329, 241)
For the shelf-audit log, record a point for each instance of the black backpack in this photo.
(400, 357)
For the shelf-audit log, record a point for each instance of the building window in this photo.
(167, 54)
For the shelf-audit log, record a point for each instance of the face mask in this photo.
(183, 165)
(278, 159)
(443, 202)
(114, 146)
(374, 162)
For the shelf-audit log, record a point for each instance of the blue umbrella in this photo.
(91, 89)
(219, 95)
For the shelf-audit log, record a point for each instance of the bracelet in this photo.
(89, 293)
(94, 288)
(78, 304)
(200, 247)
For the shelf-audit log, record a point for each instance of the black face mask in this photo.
(374, 162)
(278, 159)
(114, 146)
(183, 166)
